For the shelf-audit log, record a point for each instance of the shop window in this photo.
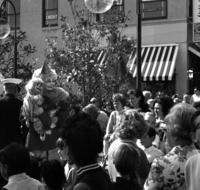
(11, 15)
(154, 9)
(49, 13)
(116, 13)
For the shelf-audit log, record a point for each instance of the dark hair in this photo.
(84, 138)
(91, 110)
(120, 98)
(196, 105)
(53, 174)
(126, 159)
(34, 169)
(166, 103)
(151, 132)
(138, 93)
(16, 157)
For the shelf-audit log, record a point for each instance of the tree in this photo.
(79, 56)
(24, 48)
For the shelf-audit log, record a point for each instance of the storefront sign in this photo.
(196, 20)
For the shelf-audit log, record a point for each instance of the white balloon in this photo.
(98, 6)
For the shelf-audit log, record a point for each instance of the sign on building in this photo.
(196, 20)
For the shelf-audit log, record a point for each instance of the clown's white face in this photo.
(50, 83)
(36, 87)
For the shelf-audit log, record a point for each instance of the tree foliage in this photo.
(24, 50)
(80, 59)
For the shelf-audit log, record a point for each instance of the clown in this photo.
(45, 109)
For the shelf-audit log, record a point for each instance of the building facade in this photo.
(164, 26)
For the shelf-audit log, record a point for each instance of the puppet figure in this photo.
(45, 109)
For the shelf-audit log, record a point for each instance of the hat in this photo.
(45, 71)
(11, 81)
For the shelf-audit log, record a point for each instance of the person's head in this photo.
(147, 94)
(91, 110)
(136, 98)
(11, 85)
(196, 105)
(83, 138)
(159, 94)
(53, 174)
(179, 124)
(162, 106)
(186, 98)
(94, 101)
(119, 101)
(196, 127)
(132, 127)
(14, 159)
(47, 74)
(34, 86)
(150, 103)
(197, 90)
(148, 137)
(34, 169)
(126, 159)
(150, 118)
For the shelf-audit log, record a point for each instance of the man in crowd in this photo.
(10, 107)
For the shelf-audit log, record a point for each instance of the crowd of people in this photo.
(140, 142)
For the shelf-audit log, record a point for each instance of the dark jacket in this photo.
(10, 108)
(94, 176)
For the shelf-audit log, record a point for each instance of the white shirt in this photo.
(192, 173)
(23, 182)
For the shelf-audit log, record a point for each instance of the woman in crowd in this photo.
(126, 159)
(167, 172)
(132, 128)
(116, 117)
(161, 109)
(83, 142)
(192, 171)
(137, 100)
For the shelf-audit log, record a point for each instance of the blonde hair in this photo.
(133, 126)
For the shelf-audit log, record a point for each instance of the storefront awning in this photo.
(158, 62)
(195, 49)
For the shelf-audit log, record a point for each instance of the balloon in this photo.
(4, 29)
(98, 6)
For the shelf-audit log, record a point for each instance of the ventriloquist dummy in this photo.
(45, 109)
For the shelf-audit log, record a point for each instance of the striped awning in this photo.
(158, 62)
(195, 49)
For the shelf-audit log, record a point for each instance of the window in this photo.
(116, 13)
(154, 9)
(49, 13)
(11, 15)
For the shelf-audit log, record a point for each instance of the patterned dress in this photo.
(167, 172)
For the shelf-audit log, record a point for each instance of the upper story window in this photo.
(11, 14)
(49, 13)
(116, 13)
(154, 9)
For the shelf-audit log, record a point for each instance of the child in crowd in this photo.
(126, 159)
(53, 174)
(150, 150)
